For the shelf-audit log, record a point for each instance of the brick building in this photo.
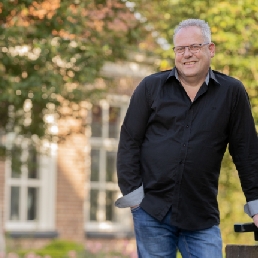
(68, 190)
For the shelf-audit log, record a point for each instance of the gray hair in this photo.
(204, 26)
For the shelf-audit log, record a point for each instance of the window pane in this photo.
(16, 162)
(32, 163)
(15, 203)
(94, 165)
(32, 203)
(114, 122)
(110, 199)
(111, 167)
(93, 204)
(96, 122)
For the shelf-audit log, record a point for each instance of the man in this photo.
(172, 142)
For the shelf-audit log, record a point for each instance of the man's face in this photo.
(193, 65)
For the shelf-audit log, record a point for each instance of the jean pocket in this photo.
(135, 208)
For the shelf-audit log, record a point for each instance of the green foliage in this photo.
(51, 51)
(68, 249)
(63, 245)
(57, 249)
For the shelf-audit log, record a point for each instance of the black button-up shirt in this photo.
(174, 146)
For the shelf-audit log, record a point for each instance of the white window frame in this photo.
(46, 184)
(123, 221)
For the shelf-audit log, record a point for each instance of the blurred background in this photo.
(68, 69)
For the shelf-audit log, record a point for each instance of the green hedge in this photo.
(57, 249)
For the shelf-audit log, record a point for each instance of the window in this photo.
(30, 173)
(102, 189)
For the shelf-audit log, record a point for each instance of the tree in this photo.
(51, 52)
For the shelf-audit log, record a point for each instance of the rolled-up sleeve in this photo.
(131, 199)
(251, 208)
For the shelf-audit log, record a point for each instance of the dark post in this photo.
(245, 251)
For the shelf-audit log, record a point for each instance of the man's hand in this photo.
(255, 218)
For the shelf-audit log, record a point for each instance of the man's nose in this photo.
(187, 52)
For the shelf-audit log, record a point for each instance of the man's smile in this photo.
(190, 63)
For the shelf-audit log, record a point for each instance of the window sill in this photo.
(109, 235)
(26, 234)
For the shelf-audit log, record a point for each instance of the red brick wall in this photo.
(71, 189)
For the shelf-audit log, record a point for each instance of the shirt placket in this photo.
(181, 166)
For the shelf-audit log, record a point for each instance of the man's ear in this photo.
(212, 49)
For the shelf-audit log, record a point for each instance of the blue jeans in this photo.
(161, 239)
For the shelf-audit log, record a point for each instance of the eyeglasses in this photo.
(194, 48)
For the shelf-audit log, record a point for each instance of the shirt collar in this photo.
(210, 74)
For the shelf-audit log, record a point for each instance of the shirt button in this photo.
(184, 144)
(187, 126)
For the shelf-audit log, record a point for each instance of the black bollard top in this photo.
(247, 227)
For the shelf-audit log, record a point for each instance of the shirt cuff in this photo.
(131, 199)
(251, 208)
